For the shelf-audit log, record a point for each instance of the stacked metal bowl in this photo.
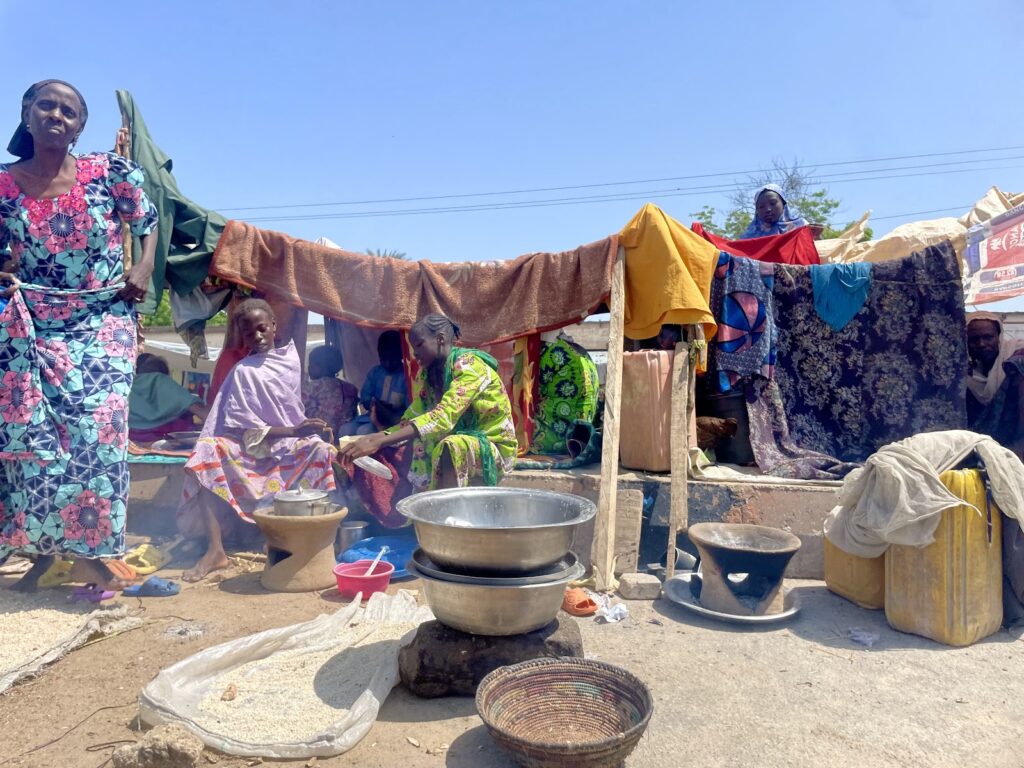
(495, 561)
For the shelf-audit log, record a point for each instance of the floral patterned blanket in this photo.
(897, 369)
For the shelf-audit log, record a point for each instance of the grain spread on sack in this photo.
(298, 694)
(32, 628)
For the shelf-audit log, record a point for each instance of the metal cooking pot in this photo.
(301, 503)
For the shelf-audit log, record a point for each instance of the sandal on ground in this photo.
(154, 586)
(146, 559)
(57, 574)
(91, 593)
(121, 570)
(578, 603)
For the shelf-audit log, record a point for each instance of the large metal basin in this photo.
(494, 610)
(495, 531)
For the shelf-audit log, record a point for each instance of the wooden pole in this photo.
(604, 527)
(124, 149)
(683, 384)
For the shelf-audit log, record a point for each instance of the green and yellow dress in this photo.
(472, 422)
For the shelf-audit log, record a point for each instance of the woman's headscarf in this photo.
(785, 223)
(985, 386)
(21, 144)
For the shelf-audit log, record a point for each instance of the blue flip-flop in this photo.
(154, 586)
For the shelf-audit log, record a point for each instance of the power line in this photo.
(922, 213)
(566, 188)
(583, 200)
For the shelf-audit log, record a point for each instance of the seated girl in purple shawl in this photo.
(256, 442)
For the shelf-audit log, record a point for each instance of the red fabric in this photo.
(183, 423)
(795, 247)
(378, 495)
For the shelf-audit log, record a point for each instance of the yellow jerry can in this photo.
(951, 590)
(860, 580)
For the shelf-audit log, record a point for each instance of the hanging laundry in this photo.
(840, 291)
(187, 232)
(741, 299)
(793, 247)
(668, 275)
(896, 369)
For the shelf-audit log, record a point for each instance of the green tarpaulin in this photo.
(188, 233)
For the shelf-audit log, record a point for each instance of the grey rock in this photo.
(442, 661)
(166, 746)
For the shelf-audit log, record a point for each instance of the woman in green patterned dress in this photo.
(460, 416)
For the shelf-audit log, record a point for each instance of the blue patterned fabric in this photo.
(896, 369)
(741, 300)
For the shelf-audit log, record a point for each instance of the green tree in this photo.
(802, 196)
(386, 254)
(162, 318)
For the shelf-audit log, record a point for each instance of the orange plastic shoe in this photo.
(578, 603)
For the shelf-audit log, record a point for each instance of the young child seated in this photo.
(257, 442)
(384, 395)
(326, 396)
(157, 404)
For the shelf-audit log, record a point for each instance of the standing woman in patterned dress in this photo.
(67, 338)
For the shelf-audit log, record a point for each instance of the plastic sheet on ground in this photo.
(30, 647)
(175, 695)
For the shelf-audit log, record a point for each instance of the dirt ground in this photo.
(802, 694)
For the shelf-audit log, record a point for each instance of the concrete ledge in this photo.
(799, 508)
(796, 507)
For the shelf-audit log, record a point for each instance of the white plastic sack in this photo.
(174, 695)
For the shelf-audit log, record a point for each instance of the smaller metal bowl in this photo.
(564, 568)
(494, 610)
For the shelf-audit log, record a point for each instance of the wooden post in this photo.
(124, 149)
(604, 526)
(683, 384)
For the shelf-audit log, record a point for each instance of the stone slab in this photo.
(639, 586)
(442, 661)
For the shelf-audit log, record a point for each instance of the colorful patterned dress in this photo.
(569, 389)
(473, 415)
(67, 355)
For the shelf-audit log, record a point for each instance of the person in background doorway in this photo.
(158, 405)
(384, 395)
(995, 382)
(325, 396)
(669, 336)
(771, 214)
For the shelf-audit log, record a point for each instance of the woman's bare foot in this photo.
(30, 581)
(208, 563)
(96, 572)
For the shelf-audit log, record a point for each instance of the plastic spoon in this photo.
(376, 560)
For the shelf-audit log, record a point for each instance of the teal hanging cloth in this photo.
(187, 233)
(840, 291)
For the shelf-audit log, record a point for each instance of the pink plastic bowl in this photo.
(351, 578)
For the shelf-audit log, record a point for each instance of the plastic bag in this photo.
(175, 694)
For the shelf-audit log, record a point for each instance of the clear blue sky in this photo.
(270, 103)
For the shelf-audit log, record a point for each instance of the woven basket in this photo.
(563, 713)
